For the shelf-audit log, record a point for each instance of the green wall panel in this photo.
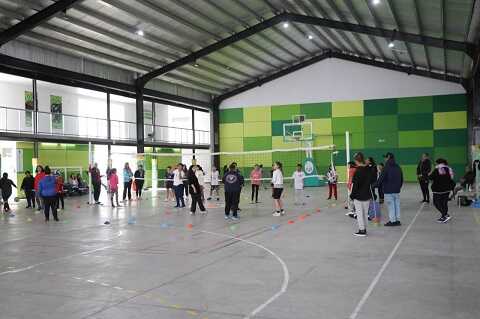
(411, 156)
(383, 140)
(381, 123)
(252, 129)
(352, 124)
(259, 143)
(451, 137)
(231, 115)
(454, 154)
(357, 140)
(285, 112)
(380, 107)
(277, 127)
(449, 120)
(415, 122)
(415, 138)
(409, 173)
(257, 114)
(415, 105)
(450, 103)
(347, 109)
(316, 110)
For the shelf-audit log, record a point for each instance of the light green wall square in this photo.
(233, 144)
(257, 114)
(231, 130)
(415, 139)
(321, 126)
(352, 124)
(357, 140)
(231, 115)
(347, 109)
(278, 143)
(322, 140)
(413, 105)
(252, 129)
(449, 120)
(285, 112)
(384, 140)
(259, 143)
(409, 173)
(454, 154)
(381, 123)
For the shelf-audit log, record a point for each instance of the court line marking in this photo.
(286, 274)
(375, 280)
(476, 216)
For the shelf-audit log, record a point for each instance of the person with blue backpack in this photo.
(47, 188)
(391, 181)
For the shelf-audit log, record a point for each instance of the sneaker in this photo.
(390, 224)
(204, 212)
(441, 220)
(282, 212)
(209, 198)
(447, 218)
(276, 214)
(361, 233)
(183, 206)
(352, 215)
(235, 218)
(218, 198)
(192, 213)
(397, 223)
(227, 217)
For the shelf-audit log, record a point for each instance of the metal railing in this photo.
(175, 135)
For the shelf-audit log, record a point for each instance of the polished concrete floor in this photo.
(154, 261)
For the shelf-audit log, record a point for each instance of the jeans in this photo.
(127, 188)
(255, 192)
(361, 208)
(178, 189)
(96, 191)
(231, 203)
(196, 199)
(393, 204)
(425, 191)
(30, 195)
(50, 203)
(332, 190)
(441, 203)
(139, 187)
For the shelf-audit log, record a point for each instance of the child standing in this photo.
(178, 185)
(352, 167)
(381, 195)
(298, 177)
(169, 184)
(59, 185)
(214, 183)
(233, 183)
(256, 179)
(332, 178)
(6, 187)
(277, 181)
(28, 187)
(442, 185)
(113, 185)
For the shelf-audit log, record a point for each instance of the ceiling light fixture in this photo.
(391, 44)
(105, 3)
(140, 33)
(196, 65)
(376, 2)
(286, 25)
(310, 37)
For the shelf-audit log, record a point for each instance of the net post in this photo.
(154, 175)
(90, 165)
(347, 150)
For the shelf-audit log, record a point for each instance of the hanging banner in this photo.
(56, 110)
(28, 109)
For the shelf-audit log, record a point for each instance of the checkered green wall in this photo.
(405, 126)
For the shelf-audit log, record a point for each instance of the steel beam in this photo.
(34, 20)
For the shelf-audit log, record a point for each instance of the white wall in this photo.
(338, 80)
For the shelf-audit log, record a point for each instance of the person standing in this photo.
(39, 175)
(381, 195)
(361, 193)
(185, 181)
(113, 186)
(178, 185)
(423, 171)
(255, 179)
(139, 181)
(233, 182)
(47, 188)
(195, 190)
(59, 185)
(28, 186)
(332, 179)
(277, 181)
(6, 187)
(372, 167)
(442, 185)
(391, 180)
(214, 183)
(127, 182)
(169, 184)
(96, 182)
(298, 183)
(349, 204)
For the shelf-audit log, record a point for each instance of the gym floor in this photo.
(154, 261)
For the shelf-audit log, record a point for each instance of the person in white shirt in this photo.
(298, 177)
(277, 182)
(214, 183)
(178, 177)
(200, 174)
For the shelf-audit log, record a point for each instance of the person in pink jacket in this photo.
(113, 185)
(256, 180)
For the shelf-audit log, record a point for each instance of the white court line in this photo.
(52, 260)
(286, 274)
(375, 281)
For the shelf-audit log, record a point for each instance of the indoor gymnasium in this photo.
(223, 159)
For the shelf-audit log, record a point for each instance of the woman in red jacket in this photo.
(40, 174)
(59, 185)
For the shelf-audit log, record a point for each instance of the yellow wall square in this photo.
(254, 129)
(322, 140)
(342, 175)
(231, 130)
(278, 143)
(232, 144)
(449, 120)
(257, 114)
(260, 158)
(321, 126)
(347, 109)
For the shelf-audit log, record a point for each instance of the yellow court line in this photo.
(476, 216)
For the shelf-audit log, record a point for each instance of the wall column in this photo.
(140, 122)
(109, 124)
(214, 132)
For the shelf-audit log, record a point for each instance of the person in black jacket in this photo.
(423, 170)
(442, 185)
(27, 186)
(139, 181)
(195, 191)
(391, 181)
(233, 183)
(6, 187)
(372, 167)
(361, 193)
